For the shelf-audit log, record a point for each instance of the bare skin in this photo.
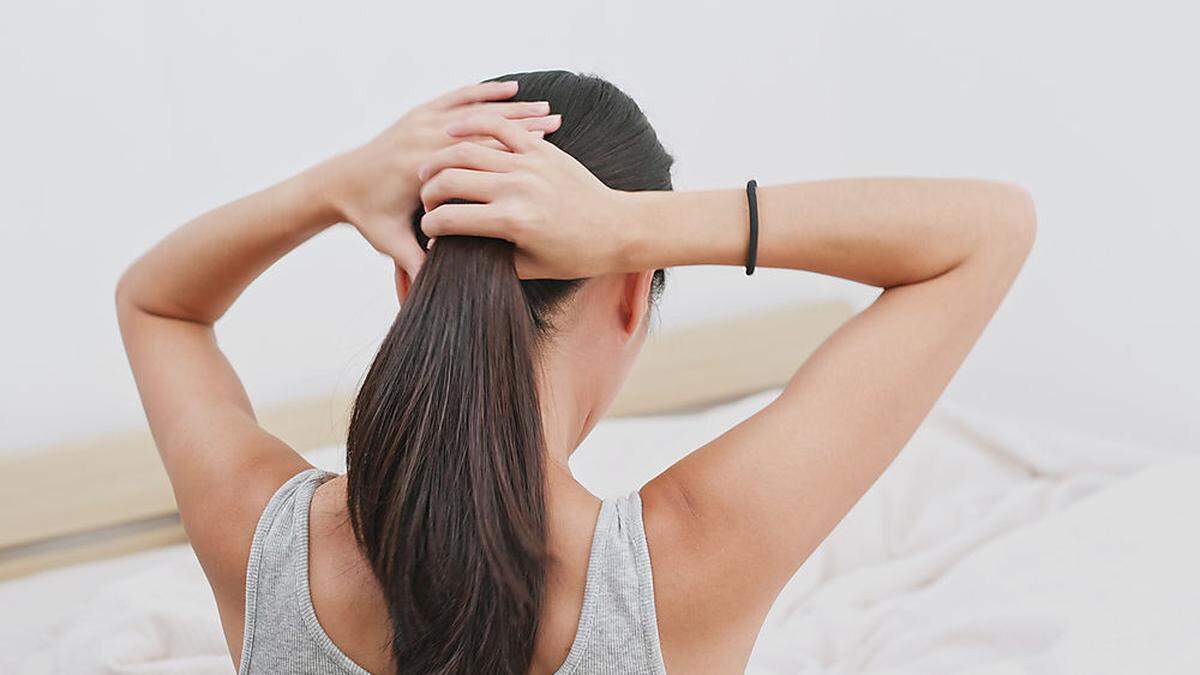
(735, 518)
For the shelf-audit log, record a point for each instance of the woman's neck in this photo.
(566, 404)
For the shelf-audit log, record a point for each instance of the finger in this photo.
(412, 257)
(475, 220)
(513, 110)
(488, 143)
(477, 93)
(464, 184)
(527, 267)
(395, 240)
(507, 132)
(467, 155)
(545, 124)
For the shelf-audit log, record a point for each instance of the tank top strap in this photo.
(617, 632)
(281, 631)
(618, 627)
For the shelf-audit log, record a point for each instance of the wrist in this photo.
(324, 188)
(635, 218)
(623, 213)
(671, 229)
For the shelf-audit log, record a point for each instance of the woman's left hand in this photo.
(376, 188)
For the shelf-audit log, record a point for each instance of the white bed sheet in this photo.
(987, 548)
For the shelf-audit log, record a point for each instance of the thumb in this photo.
(396, 240)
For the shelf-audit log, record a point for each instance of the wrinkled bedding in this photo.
(988, 548)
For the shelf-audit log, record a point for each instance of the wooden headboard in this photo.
(108, 495)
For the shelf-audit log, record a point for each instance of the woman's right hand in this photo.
(565, 223)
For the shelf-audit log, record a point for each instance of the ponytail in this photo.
(445, 455)
(445, 467)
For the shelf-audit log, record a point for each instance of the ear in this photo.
(635, 300)
(403, 284)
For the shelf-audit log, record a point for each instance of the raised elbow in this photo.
(125, 294)
(1014, 227)
(1022, 217)
(121, 292)
(122, 299)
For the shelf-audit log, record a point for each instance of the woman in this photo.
(458, 541)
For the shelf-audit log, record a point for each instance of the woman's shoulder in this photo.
(224, 539)
(701, 627)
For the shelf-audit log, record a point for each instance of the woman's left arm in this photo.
(223, 467)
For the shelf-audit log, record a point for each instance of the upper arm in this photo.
(222, 466)
(741, 514)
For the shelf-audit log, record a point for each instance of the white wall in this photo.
(123, 119)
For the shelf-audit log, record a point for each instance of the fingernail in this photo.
(429, 244)
(542, 105)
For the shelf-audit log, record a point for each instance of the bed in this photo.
(989, 546)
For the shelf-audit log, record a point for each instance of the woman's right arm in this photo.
(738, 516)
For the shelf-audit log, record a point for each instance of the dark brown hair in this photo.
(445, 448)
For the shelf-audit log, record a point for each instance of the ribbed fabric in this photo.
(617, 633)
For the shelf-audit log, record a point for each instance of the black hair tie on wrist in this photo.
(752, 249)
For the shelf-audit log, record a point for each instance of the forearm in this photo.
(880, 231)
(197, 271)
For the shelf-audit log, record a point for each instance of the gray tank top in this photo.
(618, 631)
